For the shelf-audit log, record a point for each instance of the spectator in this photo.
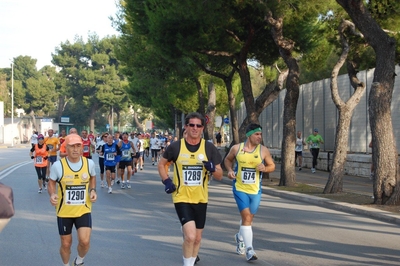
(219, 138)
(314, 141)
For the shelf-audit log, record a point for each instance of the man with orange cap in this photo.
(76, 191)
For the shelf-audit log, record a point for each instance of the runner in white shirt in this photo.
(34, 138)
(299, 149)
(155, 148)
(99, 147)
(135, 155)
(140, 145)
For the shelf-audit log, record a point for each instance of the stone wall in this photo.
(356, 164)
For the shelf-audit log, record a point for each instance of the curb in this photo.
(377, 214)
(336, 205)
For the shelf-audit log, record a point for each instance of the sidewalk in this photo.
(19, 146)
(353, 184)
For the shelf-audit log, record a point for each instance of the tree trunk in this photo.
(231, 96)
(335, 180)
(211, 111)
(93, 111)
(384, 152)
(139, 126)
(286, 46)
(60, 107)
(34, 125)
(200, 97)
(252, 113)
(118, 120)
(288, 174)
(234, 128)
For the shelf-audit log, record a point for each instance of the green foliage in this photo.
(92, 72)
(318, 63)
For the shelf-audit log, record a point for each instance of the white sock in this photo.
(247, 234)
(79, 259)
(193, 260)
(187, 261)
(66, 264)
(239, 234)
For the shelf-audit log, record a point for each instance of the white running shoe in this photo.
(128, 185)
(40, 190)
(240, 246)
(102, 184)
(122, 185)
(109, 190)
(313, 170)
(80, 264)
(250, 254)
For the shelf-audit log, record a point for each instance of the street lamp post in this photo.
(12, 102)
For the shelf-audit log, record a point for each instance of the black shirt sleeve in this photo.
(212, 153)
(172, 151)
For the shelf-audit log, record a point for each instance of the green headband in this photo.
(251, 132)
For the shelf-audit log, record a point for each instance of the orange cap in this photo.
(73, 139)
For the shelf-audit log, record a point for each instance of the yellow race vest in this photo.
(52, 143)
(190, 176)
(248, 179)
(73, 191)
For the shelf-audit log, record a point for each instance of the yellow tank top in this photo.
(248, 179)
(73, 191)
(190, 176)
(52, 143)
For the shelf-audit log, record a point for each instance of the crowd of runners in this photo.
(120, 155)
(72, 178)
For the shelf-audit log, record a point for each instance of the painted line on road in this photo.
(11, 169)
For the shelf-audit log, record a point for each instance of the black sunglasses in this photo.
(195, 125)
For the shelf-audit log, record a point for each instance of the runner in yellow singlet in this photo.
(252, 160)
(75, 179)
(194, 158)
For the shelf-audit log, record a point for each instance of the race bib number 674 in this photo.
(248, 175)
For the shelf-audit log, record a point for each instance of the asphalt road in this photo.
(139, 227)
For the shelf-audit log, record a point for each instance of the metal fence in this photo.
(315, 109)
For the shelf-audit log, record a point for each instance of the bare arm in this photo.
(229, 159)
(92, 189)
(269, 165)
(162, 168)
(218, 174)
(51, 189)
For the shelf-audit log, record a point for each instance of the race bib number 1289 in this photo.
(192, 175)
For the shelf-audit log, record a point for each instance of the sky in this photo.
(36, 27)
